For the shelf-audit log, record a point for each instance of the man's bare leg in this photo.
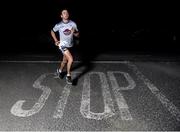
(69, 58)
(63, 63)
(60, 69)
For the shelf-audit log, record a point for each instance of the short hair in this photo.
(65, 8)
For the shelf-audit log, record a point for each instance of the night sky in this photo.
(113, 25)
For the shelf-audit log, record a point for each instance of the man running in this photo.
(66, 29)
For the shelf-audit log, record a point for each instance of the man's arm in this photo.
(54, 37)
(75, 30)
(76, 34)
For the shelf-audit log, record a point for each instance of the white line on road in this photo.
(110, 62)
(114, 82)
(121, 102)
(63, 100)
(17, 107)
(85, 103)
(166, 102)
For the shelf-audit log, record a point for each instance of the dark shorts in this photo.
(63, 48)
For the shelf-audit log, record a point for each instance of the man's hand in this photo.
(57, 43)
(75, 33)
(72, 30)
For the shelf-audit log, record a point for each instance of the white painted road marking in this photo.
(121, 102)
(85, 103)
(114, 82)
(63, 100)
(17, 107)
(40, 61)
(162, 98)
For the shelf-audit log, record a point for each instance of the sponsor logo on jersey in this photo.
(67, 32)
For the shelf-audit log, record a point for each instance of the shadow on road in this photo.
(86, 53)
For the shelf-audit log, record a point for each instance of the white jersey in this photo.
(65, 32)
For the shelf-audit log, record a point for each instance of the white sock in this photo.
(68, 75)
(60, 71)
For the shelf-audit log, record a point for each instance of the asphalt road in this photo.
(106, 95)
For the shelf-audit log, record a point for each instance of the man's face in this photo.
(65, 15)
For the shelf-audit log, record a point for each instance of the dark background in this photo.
(124, 27)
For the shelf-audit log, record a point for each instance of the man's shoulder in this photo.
(59, 23)
(71, 22)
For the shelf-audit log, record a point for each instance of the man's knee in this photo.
(64, 61)
(70, 60)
